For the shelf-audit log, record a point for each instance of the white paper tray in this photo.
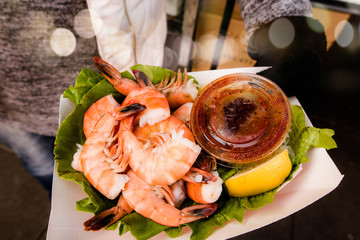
(317, 178)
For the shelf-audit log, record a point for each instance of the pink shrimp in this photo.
(96, 111)
(178, 91)
(122, 85)
(141, 197)
(161, 154)
(183, 113)
(163, 127)
(207, 192)
(203, 183)
(144, 92)
(179, 192)
(100, 165)
(157, 107)
(109, 216)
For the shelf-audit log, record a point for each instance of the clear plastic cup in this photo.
(241, 119)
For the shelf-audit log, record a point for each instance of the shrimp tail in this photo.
(132, 109)
(206, 176)
(122, 85)
(107, 70)
(142, 79)
(103, 219)
(196, 212)
(108, 217)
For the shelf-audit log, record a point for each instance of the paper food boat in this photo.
(317, 178)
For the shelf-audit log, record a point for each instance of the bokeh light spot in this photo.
(230, 50)
(62, 42)
(206, 46)
(96, 21)
(170, 58)
(344, 33)
(281, 33)
(314, 25)
(83, 25)
(40, 22)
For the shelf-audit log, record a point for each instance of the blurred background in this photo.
(204, 35)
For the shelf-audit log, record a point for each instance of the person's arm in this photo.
(283, 35)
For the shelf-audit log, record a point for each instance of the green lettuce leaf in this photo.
(174, 232)
(154, 73)
(140, 227)
(86, 205)
(86, 79)
(228, 208)
(303, 137)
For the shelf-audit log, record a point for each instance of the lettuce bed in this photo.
(91, 86)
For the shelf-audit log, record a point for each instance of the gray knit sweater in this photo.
(257, 12)
(32, 74)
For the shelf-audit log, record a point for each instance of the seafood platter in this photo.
(151, 153)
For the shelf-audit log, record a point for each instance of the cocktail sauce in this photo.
(241, 118)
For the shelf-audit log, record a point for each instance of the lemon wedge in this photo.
(262, 178)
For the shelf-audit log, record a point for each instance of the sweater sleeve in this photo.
(258, 12)
(291, 42)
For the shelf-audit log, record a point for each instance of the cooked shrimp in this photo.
(163, 127)
(96, 111)
(200, 171)
(122, 85)
(100, 167)
(157, 107)
(165, 161)
(205, 162)
(178, 91)
(207, 192)
(196, 175)
(179, 192)
(76, 163)
(143, 92)
(203, 183)
(183, 113)
(152, 136)
(141, 197)
(109, 216)
(165, 192)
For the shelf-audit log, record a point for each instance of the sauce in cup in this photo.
(241, 119)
